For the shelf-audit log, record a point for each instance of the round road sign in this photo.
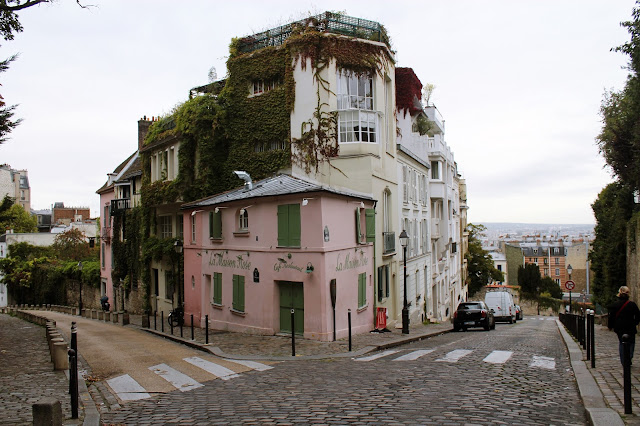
(570, 285)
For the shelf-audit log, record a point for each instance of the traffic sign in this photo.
(570, 285)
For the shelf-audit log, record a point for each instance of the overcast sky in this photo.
(519, 84)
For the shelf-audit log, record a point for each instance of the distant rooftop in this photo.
(328, 22)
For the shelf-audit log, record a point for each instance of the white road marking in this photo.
(251, 364)
(127, 388)
(376, 356)
(454, 356)
(498, 357)
(213, 368)
(412, 356)
(179, 380)
(543, 362)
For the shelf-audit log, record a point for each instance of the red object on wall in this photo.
(381, 319)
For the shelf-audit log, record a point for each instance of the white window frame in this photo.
(166, 226)
(357, 108)
(243, 220)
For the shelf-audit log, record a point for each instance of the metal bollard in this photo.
(293, 333)
(349, 322)
(73, 382)
(588, 346)
(206, 328)
(192, 327)
(74, 348)
(162, 321)
(593, 339)
(626, 366)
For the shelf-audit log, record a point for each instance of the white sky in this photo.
(519, 84)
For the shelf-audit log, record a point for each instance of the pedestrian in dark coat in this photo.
(624, 316)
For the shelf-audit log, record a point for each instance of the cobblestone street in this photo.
(27, 373)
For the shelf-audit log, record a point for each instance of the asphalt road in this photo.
(516, 374)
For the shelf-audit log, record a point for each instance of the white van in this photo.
(501, 303)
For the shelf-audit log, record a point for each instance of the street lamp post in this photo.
(178, 248)
(404, 239)
(80, 299)
(569, 271)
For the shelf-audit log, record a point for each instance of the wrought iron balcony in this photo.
(389, 239)
(120, 205)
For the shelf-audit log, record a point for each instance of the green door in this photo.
(291, 297)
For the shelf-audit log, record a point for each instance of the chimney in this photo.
(143, 129)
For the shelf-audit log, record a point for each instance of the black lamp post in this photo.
(80, 300)
(178, 248)
(404, 240)
(569, 271)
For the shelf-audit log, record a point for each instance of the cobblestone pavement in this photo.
(426, 390)
(26, 372)
(609, 375)
(280, 345)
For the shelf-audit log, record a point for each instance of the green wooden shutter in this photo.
(283, 225)
(217, 288)
(238, 293)
(210, 224)
(217, 225)
(294, 225)
(358, 225)
(370, 224)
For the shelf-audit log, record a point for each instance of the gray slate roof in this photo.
(273, 186)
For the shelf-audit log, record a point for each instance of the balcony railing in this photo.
(389, 239)
(120, 205)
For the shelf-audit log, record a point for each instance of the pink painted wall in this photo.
(340, 258)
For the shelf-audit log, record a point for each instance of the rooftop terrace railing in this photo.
(325, 22)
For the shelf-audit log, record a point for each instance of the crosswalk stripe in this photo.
(251, 364)
(376, 356)
(414, 355)
(127, 388)
(179, 380)
(454, 356)
(543, 362)
(213, 368)
(498, 357)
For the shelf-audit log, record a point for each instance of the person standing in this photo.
(624, 316)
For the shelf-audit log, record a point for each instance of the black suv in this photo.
(473, 314)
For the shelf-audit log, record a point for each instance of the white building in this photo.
(15, 184)
(430, 205)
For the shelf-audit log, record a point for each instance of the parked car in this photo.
(519, 314)
(473, 314)
(501, 303)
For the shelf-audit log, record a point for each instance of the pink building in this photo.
(253, 254)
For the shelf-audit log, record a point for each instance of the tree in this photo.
(71, 245)
(612, 209)
(480, 264)
(619, 140)
(17, 219)
(530, 281)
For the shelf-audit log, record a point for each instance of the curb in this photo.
(214, 350)
(597, 411)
